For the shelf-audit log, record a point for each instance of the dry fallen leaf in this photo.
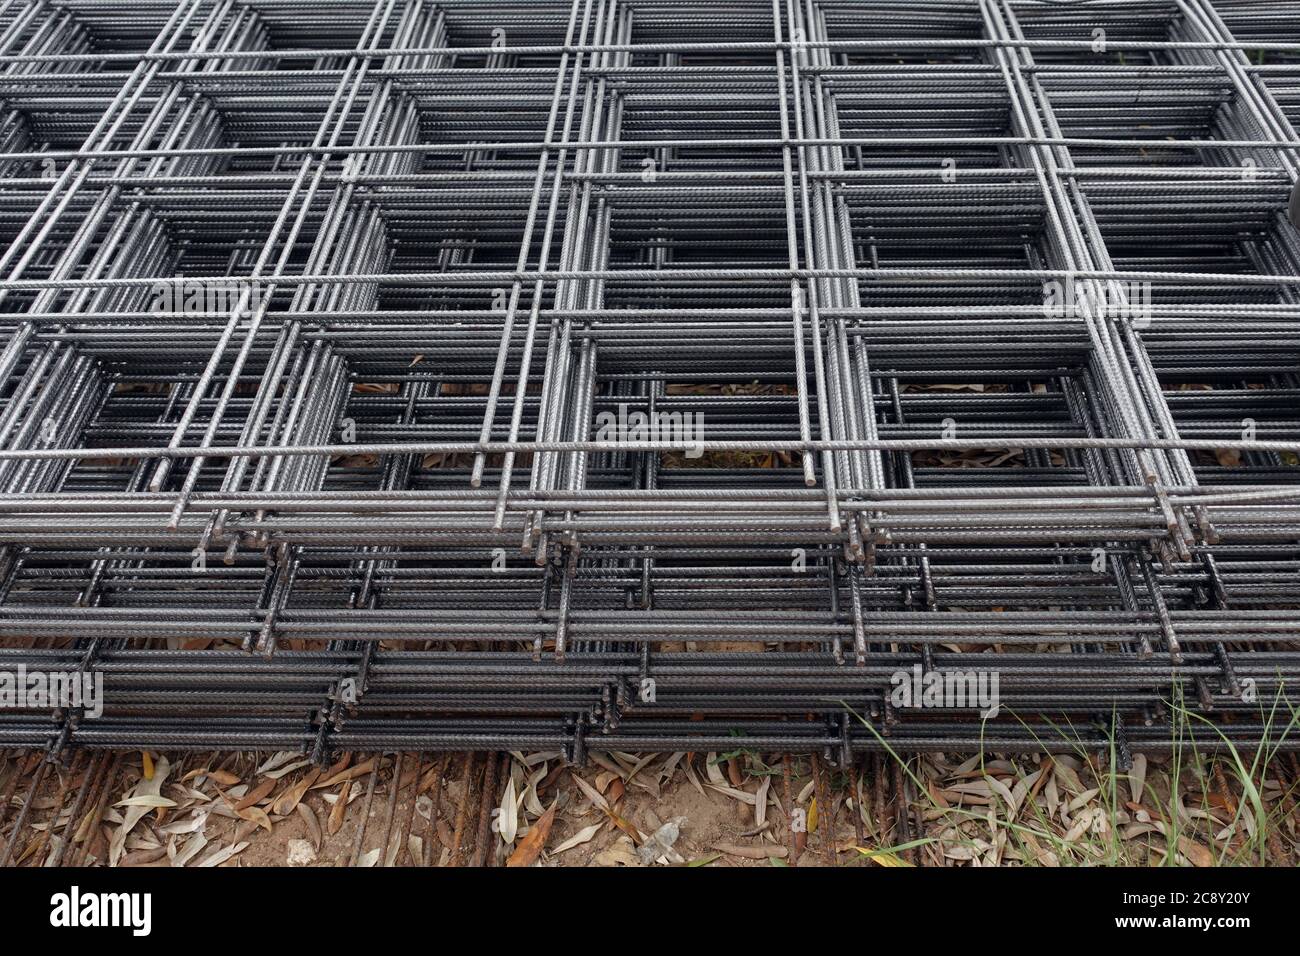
(741, 795)
(625, 826)
(530, 847)
(1228, 457)
(752, 852)
(143, 857)
(256, 815)
(340, 808)
(292, 797)
(311, 823)
(350, 773)
(584, 835)
(1137, 776)
(255, 795)
(148, 800)
(622, 852)
(509, 817)
(591, 793)
(882, 858)
(221, 856)
(734, 774)
(1198, 854)
(192, 848)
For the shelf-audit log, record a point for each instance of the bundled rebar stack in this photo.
(650, 374)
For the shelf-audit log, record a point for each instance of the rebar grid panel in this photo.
(633, 374)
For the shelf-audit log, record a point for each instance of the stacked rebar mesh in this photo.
(650, 374)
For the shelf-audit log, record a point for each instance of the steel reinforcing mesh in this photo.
(645, 374)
